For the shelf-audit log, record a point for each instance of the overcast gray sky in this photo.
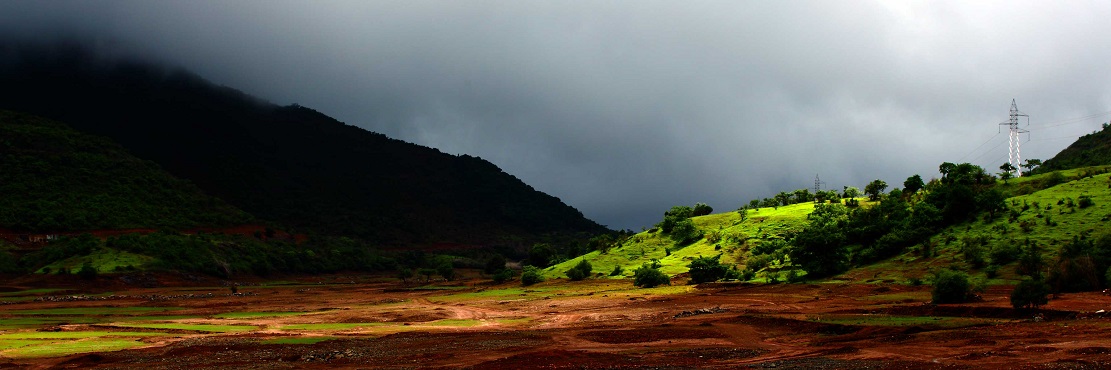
(625, 108)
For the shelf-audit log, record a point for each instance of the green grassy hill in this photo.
(1089, 150)
(1050, 217)
(56, 179)
(725, 234)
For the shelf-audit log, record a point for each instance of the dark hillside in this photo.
(287, 164)
(55, 179)
(1089, 150)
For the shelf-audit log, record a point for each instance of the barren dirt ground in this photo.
(346, 321)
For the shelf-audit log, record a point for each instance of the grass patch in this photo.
(252, 315)
(93, 311)
(193, 327)
(75, 334)
(297, 340)
(888, 320)
(54, 349)
(454, 322)
(29, 292)
(332, 326)
(105, 260)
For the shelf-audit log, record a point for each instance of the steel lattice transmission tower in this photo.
(817, 184)
(1014, 156)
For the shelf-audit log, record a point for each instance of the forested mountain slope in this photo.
(287, 164)
(55, 179)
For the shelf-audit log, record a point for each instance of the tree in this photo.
(850, 192)
(950, 286)
(685, 232)
(874, 189)
(580, 271)
(1030, 262)
(649, 275)
(404, 274)
(706, 269)
(912, 185)
(1030, 293)
(754, 204)
(803, 195)
(541, 255)
(1031, 164)
(427, 273)
(820, 248)
(446, 271)
(494, 264)
(701, 209)
(87, 271)
(530, 275)
(1008, 171)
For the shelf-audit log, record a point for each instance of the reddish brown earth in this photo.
(608, 324)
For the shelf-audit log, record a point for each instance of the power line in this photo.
(1070, 121)
(978, 147)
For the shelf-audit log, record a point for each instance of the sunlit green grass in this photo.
(332, 326)
(252, 315)
(75, 334)
(193, 327)
(63, 348)
(105, 260)
(888, 320)
(644, 247)
(93, 310)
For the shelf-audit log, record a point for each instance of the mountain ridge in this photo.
(288, 164)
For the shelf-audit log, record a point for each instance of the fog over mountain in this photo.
(625, 108)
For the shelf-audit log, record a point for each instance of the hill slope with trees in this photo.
(1089, 150)
(287, 164)
(55, 179)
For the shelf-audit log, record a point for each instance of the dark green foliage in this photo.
(685, 232)
(290, 165)
(494, 264)
(912, 185)
(427, 272)
(404, 273)
(1030, 261)
(87, 271)
(503, 275)
(65, 247)
(56, 179)
(991, 271)
(541, 255)
(531, 275)
(581, 270)
(1004, 253)
(673, 217)
(747, 275)
(8, 263)
(950, 287)
(707, 269)
(973, 250)
(820, 247)
(701, 209)
(1030, 293)
(1089, 150)
(617, 271)
(1084, 201)
(649, 275)
(446, 271)
(875, 189)
(1081, 265)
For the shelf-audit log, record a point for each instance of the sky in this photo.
(623, 109)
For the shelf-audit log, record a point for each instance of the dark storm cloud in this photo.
(624, 108)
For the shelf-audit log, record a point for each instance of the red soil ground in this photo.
(602, 324)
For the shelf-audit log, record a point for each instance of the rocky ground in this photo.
(600, 324)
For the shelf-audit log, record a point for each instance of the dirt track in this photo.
(606, 324)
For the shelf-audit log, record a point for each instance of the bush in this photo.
(87, 271)
(404, 273)
(530, 275)
(685, 232)
(1084, 201)
(581, 271)
(706, 269)
(617, 271)
(991, 271)
(950, 286)
(747, 275)
(494, 264)
(1030, 293)
(503, 275)
(649, 275)
(701, 209)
